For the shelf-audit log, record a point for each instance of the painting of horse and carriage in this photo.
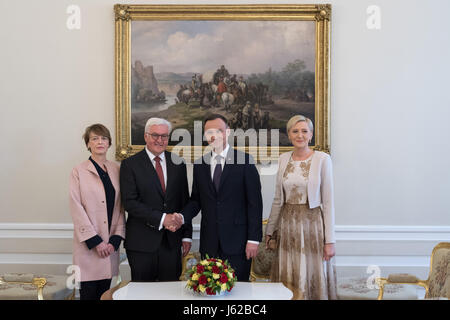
(257, 74)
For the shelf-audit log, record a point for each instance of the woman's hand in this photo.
(267, 242)
(328, 251)
(111, 248)
(103, 250)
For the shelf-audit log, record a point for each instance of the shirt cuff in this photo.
(93, 242)
(251, 241)
(186, 240)
(115, 240)
(162, 221)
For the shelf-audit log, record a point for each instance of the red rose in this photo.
(231, 287)
(210, 292)
(223, 278)
(202, 279)
(215, 269)
(200, 269)
(195, 288)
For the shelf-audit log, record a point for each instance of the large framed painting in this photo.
(257, 65)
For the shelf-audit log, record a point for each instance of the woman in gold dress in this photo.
(302, 218)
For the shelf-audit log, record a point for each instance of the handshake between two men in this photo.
(173, 221)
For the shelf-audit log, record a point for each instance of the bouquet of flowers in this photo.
(211, 276)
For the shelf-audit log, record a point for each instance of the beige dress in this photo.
(299, 264)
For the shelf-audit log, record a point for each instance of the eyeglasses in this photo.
(155, 136)
(96, 138)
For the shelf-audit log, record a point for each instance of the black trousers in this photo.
(239, 263)
(93, 290)
(162, 265)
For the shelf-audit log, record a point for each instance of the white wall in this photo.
(389, 110)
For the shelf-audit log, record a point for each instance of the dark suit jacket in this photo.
(143, 199)
(234, 214)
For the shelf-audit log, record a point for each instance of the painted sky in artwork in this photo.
(244, 47)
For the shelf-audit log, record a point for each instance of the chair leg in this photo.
(381, 292)
(381, 282)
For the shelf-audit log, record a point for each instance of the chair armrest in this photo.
(402, 278)
(399, 278)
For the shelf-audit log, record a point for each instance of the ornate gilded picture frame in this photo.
(258, 65)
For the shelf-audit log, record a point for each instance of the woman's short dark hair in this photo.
(99, 129)
(214, 116)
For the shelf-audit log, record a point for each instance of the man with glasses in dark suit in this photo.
(154, 185)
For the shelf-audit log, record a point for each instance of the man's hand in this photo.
(179, 217)
(186, 247)
(251, 250)
(173, 222)
(102, 250)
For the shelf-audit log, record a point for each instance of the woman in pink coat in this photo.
(97, 214)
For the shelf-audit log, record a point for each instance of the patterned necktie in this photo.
(217, 172)
(160, 174)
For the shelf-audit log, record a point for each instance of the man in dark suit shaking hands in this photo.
(154, 185)
(227, 189)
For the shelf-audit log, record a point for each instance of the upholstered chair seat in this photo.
(262, 263)
(357, 288)
(26, 286)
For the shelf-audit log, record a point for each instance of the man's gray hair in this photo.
(157, 121)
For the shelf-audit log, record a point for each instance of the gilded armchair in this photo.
(26, 286)
(262, 263)
(438, 283)
(25, 279)
(190, 260)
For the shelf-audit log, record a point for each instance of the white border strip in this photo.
(341, 260)
(343, 232)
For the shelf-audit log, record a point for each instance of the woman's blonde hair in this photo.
(297, 118)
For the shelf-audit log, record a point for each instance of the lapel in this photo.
(114, 177)
(90, 167)
(149, 171)
(170, 171)
(282, 167)
(229, 160)
(206, 168)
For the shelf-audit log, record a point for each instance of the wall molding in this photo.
(392, 248)
(343, 232)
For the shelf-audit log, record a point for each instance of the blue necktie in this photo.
(217, 172)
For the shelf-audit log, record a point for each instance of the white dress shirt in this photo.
(162, 156)
(223, 154)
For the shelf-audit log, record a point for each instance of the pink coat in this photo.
(89, 215)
